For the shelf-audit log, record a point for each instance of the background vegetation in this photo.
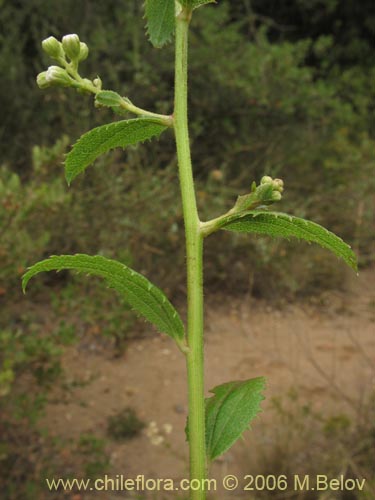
(284, 89)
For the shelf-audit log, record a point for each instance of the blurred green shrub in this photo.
(23, 206)
(29, 368)
(115, 33)
(307, 441)
(92, 448)
(27, 357)
(125, 424)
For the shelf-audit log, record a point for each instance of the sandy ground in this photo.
(324, 352)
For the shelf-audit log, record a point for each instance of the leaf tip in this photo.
(25, 280)
(69, 176)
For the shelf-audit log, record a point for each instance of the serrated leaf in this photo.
(102, 139)
(286, 226)
(229, 413)
(160, 15)
(145, 298)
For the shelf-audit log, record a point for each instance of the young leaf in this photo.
(160, 16)
(102, 139)
(108, 98)
(229, 413)
(280, 224)
(145, 298)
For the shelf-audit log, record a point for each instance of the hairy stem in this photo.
(194, 253)
(124, 104)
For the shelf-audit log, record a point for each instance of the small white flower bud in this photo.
(41, 80)
(71, 46)
(58, 77)
(53, 47)
(83, 51)
(276, 196)
(266, 179)
(278, 185)
(97, 83)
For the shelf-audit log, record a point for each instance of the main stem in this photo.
(194, 253)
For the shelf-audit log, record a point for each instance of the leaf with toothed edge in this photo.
(160, 15)
(106, 137)
(286, 226)
(229, 413)
(145, 298)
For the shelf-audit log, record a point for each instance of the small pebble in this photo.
(179, 409)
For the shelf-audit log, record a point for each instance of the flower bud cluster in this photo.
(70, 46)
(68, 53)
(268, 192)
(277, 186)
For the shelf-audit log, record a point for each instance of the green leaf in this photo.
(286, 226)
(108, 98)
(145, 298)
(102, 139)
(229, 413)
(160, 16)
(194, 4)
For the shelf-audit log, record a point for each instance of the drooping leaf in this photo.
(145, 298)
(229, 413)
(286, 226)
(160, 15)
(102, 139)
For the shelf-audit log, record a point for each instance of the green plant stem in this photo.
(215, 224)
(125, 103)
(194, 253)
(163, 119)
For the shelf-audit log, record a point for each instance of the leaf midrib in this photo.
(170, 324)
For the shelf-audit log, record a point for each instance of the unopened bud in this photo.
(278, 185)
(83, 51)
(71, 46)
(97, 83)
(276, 196)
(41, 80)
(53, 47)
(266, 179)
(58, 77)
